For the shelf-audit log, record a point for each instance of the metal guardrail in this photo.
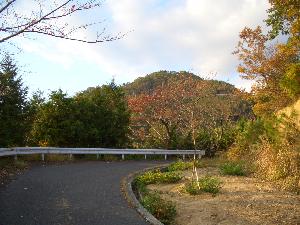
(97, 151)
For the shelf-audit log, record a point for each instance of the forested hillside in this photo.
(147, 84)
(180, 110)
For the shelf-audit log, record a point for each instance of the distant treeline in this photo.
(96, 117)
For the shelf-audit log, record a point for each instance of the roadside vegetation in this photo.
(233, 168)
(229, 198)
(164, 211)
(180, 166)
(206, 184)
(156, 176)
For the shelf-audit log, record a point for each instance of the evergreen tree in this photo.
(96, 117)
(12, 104)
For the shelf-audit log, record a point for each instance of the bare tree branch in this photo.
(48, 23)
(104, 39)
(7, 5)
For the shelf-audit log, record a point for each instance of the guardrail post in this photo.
(16, 157)
(70, 156)
(200, 156)
(145, 156)
(123, 156)
(165, 156)
(183, 156)
(43, 157)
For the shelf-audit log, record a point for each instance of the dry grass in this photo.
(241, 201)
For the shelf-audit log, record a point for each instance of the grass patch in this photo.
(183, 165)
(6, 161)
(206, 184)
(164, 211)
(212, 162)
(233, 169)
(153, 177)
(11, 163)
(30, 158)
(180, 165)
(20, 164)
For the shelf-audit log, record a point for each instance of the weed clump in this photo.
(233, 169)
(154, 177)
(205, 184)
(164, 211)
(20, 164)
(181, 165)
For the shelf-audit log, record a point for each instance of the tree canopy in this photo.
(171, 106)
(12, 104)
(97, 117)
(274, 67)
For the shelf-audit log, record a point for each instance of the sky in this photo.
(175, 35)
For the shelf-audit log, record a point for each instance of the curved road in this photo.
(81, 193)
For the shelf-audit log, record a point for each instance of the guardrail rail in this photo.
(96, 151)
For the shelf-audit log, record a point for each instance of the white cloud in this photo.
(197, 35)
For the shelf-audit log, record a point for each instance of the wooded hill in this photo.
(152, 81)
(170, 109)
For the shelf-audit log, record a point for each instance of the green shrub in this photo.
(164, 211)
(6, 161)
(180, 165)
(153, 177)
(270, 149)
(30, 158)
(192, 188)
(206, 184)
(232, 168)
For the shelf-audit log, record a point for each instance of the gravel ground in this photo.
(84, 193)
(241, 201)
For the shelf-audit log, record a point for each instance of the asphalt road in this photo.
(85, 193)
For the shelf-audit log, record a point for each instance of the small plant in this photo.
(156, 176)
(232, 168)
(192, 188)
(181, 165)
(206, 184)
(164, 211)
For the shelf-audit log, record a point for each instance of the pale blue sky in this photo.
(194, 35)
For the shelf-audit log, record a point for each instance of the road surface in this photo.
(80, 193)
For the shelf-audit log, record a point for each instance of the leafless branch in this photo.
(47, 23)
(6, 6)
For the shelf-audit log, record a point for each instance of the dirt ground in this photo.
(241, 201)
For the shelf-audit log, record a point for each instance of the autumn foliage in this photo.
(270, 144)
(173, 113)
(275, 67)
